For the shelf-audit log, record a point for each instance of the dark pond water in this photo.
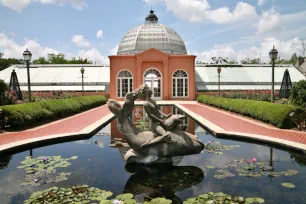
(102, 166)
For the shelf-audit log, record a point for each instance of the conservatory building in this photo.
(156, 55)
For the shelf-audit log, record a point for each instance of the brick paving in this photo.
(227, 121)
(69, 125)
(234, 123)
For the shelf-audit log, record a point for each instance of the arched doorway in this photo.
(153, 78)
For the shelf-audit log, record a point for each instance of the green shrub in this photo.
(276, 114)
(298, 94)
(3, 87)
(31, 113)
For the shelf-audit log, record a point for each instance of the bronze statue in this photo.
(164, 139)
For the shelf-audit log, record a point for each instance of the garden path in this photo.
(224, 123)
(220, 122)
(80, 124)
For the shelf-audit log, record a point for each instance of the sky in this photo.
(93, 29)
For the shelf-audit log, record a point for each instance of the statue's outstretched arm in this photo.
(165, 115)
(129, 104)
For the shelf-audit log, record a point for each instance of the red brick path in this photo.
(66, 126)
(234, 124)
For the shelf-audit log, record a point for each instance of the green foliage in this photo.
(3, 87)
(5, 63)
(31, 113)
(60, 59)
(298, 94)
(276, 114)
(252, 95)
(219, 60)
(251, 61)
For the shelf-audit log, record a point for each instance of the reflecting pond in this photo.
(233, 167)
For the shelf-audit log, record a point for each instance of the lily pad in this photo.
(288, 185)
(210, 167)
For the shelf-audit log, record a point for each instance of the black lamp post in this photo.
(219, 72)
(273, 56)
(27, 55)
(82, 72)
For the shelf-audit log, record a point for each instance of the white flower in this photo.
(117, 202)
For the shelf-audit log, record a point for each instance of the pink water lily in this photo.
(117, 202)
(254, 160)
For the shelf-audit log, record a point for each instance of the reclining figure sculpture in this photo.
(162, 141)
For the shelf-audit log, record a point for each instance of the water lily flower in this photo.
(117, 202)
(249, 161)
(254, 160)
(209, 142)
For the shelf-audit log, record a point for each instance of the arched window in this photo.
(124, 83)
(180, 84)
(153, 78)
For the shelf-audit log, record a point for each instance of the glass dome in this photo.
(152, 35)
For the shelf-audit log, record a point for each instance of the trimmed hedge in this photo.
(276, 114)
(30, 113)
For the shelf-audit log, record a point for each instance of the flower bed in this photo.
(251, 94)
(31, 113)
(276, 114)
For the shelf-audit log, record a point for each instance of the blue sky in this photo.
(93, 28)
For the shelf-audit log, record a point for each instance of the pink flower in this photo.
(249, 161)
(254, 160)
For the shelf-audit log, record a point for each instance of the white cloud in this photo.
(152, 2)
(19, 5)
(261, 2)
(13, 50)
(114, 50)
(269, 21)
(94, 55)
(100, 34)
(200, 10)
(242, 11)
(285, 48)
(80, 41)
(16, 5)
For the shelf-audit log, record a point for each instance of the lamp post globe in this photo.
(27, 56)
(219, 72)
(82, 72)
(273, 53)
(273, 56)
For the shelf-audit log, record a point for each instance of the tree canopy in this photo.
(60, 59)
(5, 63)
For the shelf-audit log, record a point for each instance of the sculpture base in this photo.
(131, 157)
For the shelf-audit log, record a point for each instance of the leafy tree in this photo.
(41, 60)
(1, 55)
(300, 46)
(3, 87)
(298, 94)
(5, 63)
(219, 60)
(283, 61)
(251, 61)
(232, 62)
(60, 59)
(57, 59)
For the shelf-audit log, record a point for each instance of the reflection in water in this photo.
(162, 180)
(299, 158)
(4, 161)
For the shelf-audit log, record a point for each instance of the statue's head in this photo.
(144, 92)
